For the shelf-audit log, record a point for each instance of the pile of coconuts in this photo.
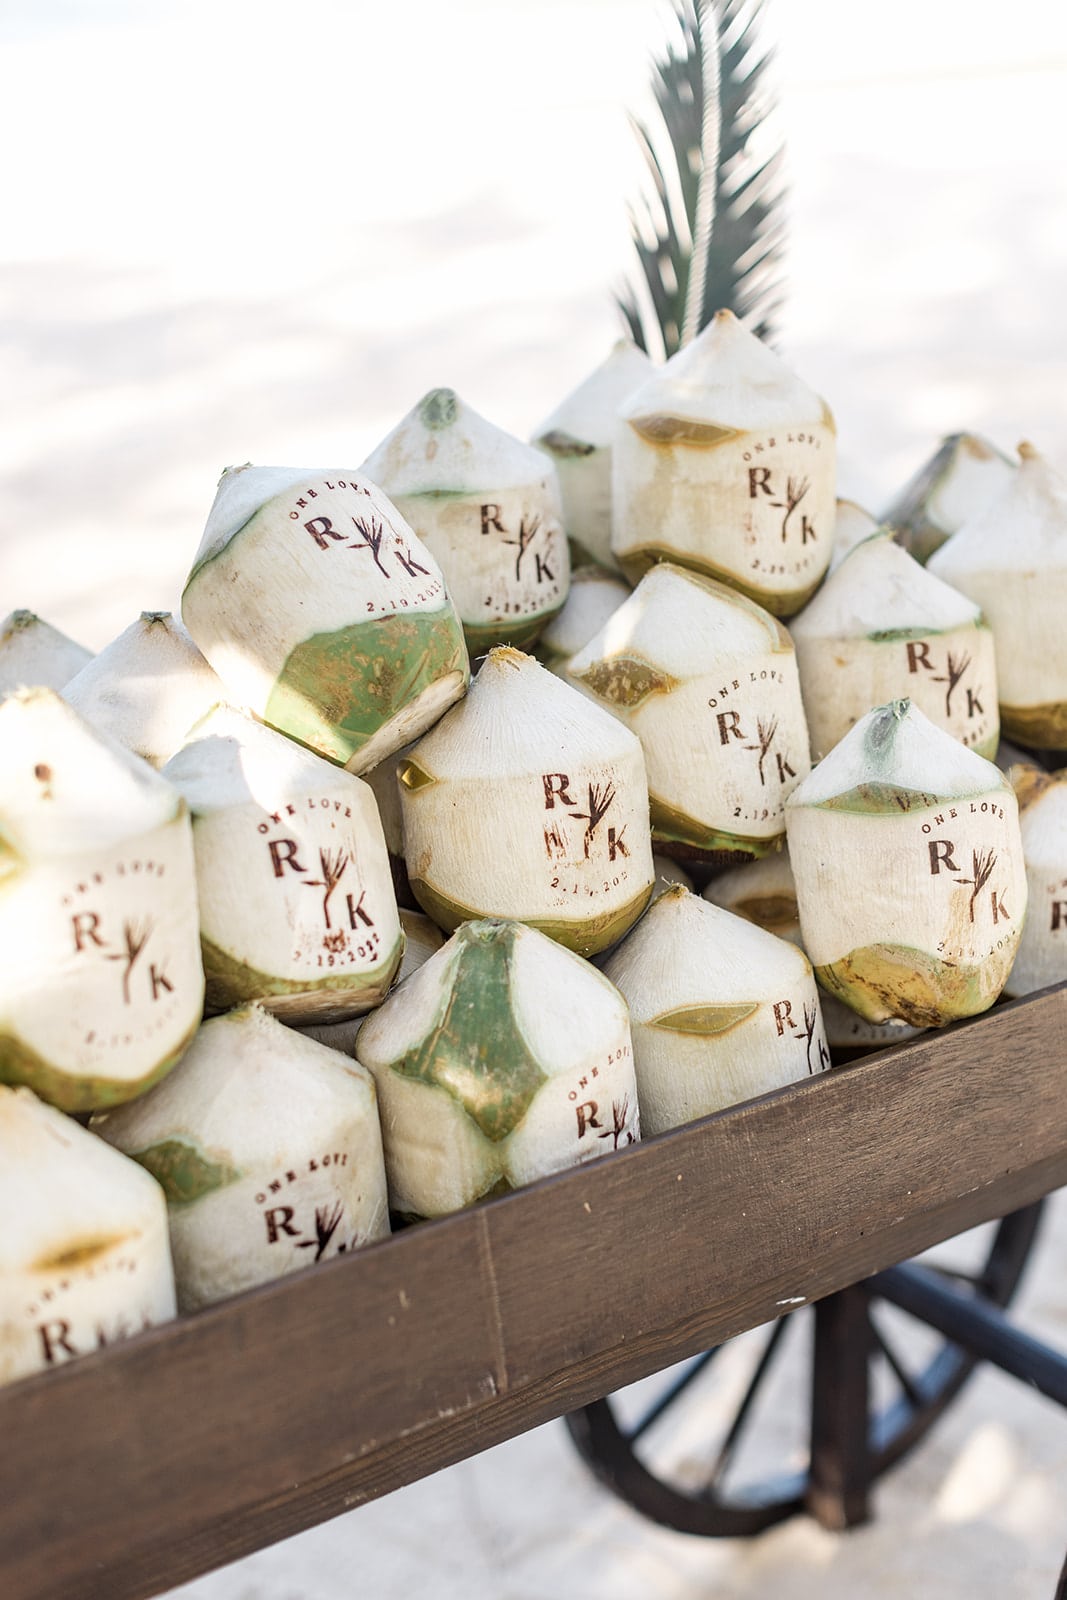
(489, 805)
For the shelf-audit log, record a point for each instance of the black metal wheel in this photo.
(732, 1441)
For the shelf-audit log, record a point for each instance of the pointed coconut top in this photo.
(880, 592)
(499, 999)
(726, 381)
(72, 1194)
(65, 788)
(243, 491)
(516, 716)
(682, 622)
(893, 761)
(247, 1090)
(851, 527)
(444, 447)
(232, 760)
(147, 688)
(586, 420)
(34, 654)
(1024, 527)
(593, 597)
(961, 475)
(686, 954)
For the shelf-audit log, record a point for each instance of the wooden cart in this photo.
(137, 1468)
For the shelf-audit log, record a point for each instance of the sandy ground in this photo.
(231, 235)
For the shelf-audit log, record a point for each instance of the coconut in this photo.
(421, 938)
(33, 653)
(487, 506)
(724, 462)
(960, 478)
(719, 1010)
(101, 984)
(88, 1261)
(763, 892)
(1042, 957)
(503, 1059)
(594, 596)
(909, 871)
(708, 681)
(851, 526)
(323, 613)
(579, 436)
(147, 688)
(882, 627)
(383, 784)
(268, 1149)
(1011, 559)
(528, 802)
(297, 908)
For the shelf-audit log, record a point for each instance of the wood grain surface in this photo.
(129, 1471)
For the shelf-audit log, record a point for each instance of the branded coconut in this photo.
(297, 908)
(33, 653)
(147, 688)
(101, 984)
(487, 506)
(528, 802)
(503, 1059)
(268, 1148)
(720, 1011)
(708, 682)
(579, 436)
(882, 627)
(1042, 957)
(1010, 558)
(958, 480)
(89, 1261)
(725, 462)
(909, 871)
(323, 614)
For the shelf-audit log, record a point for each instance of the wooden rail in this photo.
(132, 1470)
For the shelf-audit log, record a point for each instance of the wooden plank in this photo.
(146, 1464)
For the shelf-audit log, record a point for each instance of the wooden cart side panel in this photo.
(134, 1469)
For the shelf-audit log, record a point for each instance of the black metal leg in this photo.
(839, 1484)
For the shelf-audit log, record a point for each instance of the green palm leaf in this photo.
(709, 230)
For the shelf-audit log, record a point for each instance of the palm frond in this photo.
(710, 229)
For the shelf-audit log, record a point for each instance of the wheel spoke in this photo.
(729, 1444)
(667, 1399)
(903, 1377)
(977, 1280)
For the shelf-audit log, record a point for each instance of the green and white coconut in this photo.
(851, 526)
(1011, 559)
(725, 462)
(268, 1149)
(421, 939)
(579, 436)
(297, 908)
(505, 1058)
(33, 653)
(1042, 957)
(101, 985)
(84, 1254)
(763, 892)
(147, 688)
(958, 480)
(487, 506)
(882, 627)
(594, 596)
(323, 613)
(909, 871)
(530, 803)
(720, 1011)
(708, 681)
